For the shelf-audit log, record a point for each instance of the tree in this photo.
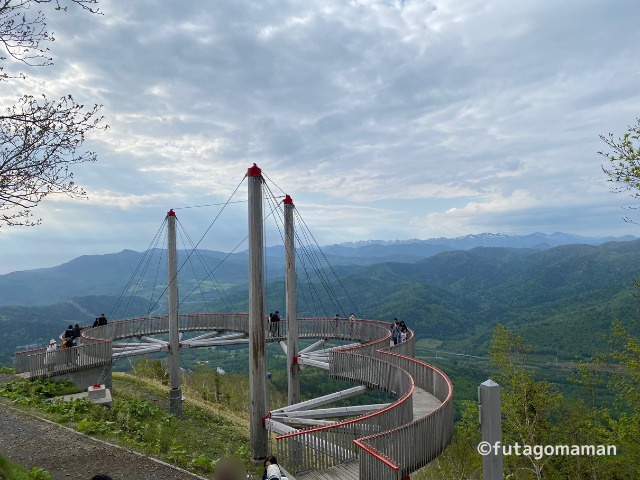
(40, 138)
(624, 161)
(527, 404)
(617, 371)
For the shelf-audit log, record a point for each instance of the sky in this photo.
(382, 119)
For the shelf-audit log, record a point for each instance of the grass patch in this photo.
(430, 343)
(13, 471)
(139, 419)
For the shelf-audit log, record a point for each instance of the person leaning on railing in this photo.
(49, 357)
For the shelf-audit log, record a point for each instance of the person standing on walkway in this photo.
(395, 331)
(275, 323)
(68, 333)
(403, 334)
(71, 354)
(102, 320)
(49, 357)
(352, 324)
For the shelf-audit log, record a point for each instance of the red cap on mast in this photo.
(171, 213)
(288, 200)
(254, 171)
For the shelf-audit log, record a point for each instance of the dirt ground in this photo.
(65, 453)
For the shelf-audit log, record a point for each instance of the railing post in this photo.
(491, 423)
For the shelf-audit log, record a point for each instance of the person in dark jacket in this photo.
(68, 333)
(102, 320)
(76, 330)
(68, 344)
(97, 322)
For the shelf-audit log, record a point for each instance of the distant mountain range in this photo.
(559, 298)
(111, 274)
(537, 241)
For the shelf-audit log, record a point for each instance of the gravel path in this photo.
(65, 453)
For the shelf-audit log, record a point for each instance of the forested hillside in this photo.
(561, 297)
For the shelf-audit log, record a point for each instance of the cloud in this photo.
(464, 116)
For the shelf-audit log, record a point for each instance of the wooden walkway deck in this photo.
(346, 471)
(423, 404)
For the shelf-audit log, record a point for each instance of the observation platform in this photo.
(372, 442)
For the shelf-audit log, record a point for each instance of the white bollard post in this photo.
(491, 423)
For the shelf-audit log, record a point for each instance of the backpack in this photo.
(64, 344)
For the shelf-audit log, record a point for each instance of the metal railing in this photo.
(388, 443)
(65, 360)
(323, 447)
(394, 454)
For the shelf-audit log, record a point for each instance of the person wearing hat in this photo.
(51, 348)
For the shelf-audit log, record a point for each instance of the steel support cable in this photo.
(271, 200)
(315, 261)
(209, 228)
(195, 275)
(155, 281)
(133, 275)
(330, 291)
(199, 241)
(327, 287)
(325, 258)
(322, 276)
(141, 277)
(324, 279)
(220, 263)
(275, 206)
(265, 269)
(320, 279)
(311, 285)
(149, 251)
(217, 285)
(210, 205)
(301, 260)
(328, 263)
(188, 256)
(276, 185)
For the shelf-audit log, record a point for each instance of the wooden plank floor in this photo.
(423, 403)
(346, 471)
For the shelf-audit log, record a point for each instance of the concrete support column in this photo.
(175, 393)
(293, 375)
(257, 346)
(491, 423)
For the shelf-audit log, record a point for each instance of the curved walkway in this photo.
(389, 441)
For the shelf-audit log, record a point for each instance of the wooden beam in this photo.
(333, 412)
(313, 346)
(324, 400)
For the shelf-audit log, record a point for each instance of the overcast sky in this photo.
(382, 119)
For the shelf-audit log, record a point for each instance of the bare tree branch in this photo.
(40, 138)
